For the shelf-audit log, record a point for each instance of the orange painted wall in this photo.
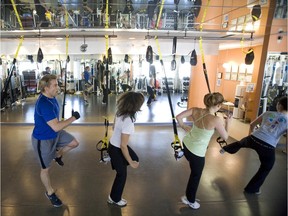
(228, 87)
(274, 45)
(214, 64)
(198, 87)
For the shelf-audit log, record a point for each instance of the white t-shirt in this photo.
(121, 126)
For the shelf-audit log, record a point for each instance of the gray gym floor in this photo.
(154, 189)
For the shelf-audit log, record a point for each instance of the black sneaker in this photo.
(56, 202)
(59, 161)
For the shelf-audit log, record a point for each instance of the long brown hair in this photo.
(129, 103)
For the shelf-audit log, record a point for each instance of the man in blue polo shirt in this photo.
(88, 85)
(49, 140)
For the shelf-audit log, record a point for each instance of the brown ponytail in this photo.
(213, 99)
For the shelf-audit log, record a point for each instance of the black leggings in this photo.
(119, 163)
(266, 155)
(196, 165)
(151, 94)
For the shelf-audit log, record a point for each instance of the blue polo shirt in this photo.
(86, 76)
(46, 109)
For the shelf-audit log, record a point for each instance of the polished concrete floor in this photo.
(154, 189)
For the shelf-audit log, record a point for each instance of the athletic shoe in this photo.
(121, 203)
(86, 102)
(56, 202)
(194, 205)
(59, 161)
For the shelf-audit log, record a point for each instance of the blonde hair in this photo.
(46, 81)
(213, 99)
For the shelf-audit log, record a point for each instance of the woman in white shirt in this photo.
(128, 104)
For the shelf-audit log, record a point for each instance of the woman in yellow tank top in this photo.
(197, 139)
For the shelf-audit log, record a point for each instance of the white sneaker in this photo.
(194, 205)
(121, 203)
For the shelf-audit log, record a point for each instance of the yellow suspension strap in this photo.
(103, 144)
(201, 47)
(250, 53)
(8, 79)
(67, 61)
(176, 144)
(108, 53)
(21, 28)
(107, 26)
(160, 14)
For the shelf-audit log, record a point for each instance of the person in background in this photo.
(150, 90)
(49, 140)
(47, 71)
(273, 124)
(105, 87)
(197, 138)
(88, 83)
(122, 155)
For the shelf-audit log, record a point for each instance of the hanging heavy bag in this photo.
(110, 56)
(126, 58)
(39, 55)
(193, 58)
(249, 57)
(256, 12)
(196, 7)
(173, 62)
(182, 59)
(149, 55)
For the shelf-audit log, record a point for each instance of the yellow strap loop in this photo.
(160, 14)
(106, 27)
(201, 28)
(156, 27)
(66, 26)
(19, 45)
(21, 28)
(242, 39)
(17, 15)
(158, 47)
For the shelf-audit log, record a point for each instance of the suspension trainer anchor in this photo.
(103, 144)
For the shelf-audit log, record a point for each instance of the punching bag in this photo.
(193, 58)
(39, 55)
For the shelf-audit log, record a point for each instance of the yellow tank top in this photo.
(197, 139)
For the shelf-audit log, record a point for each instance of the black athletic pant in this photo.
(266, 155)
(196, 165)
(105, 94)
(150, 92)
(119, 163)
